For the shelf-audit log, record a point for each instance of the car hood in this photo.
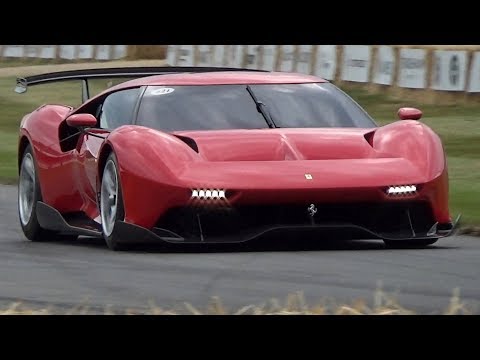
(281, 144)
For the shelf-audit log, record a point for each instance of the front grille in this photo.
(381, 218)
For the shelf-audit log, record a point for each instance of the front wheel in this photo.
(409, 244)
(111, 202)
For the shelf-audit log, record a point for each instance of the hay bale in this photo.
(137, 52)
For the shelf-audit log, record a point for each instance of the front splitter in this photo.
(131, 233)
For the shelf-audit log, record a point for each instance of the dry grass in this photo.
(472, 230)
(294, 304)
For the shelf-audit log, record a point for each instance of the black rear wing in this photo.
(110, 73)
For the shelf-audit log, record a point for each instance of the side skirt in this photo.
(50, 218)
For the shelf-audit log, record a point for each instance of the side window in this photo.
(117, 109)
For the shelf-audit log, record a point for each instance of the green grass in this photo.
(458, 126)
(14, 106)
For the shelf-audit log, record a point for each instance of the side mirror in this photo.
(81, 120)
(409, 114)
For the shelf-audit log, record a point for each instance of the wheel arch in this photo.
(149, 163)
(106, 150)
(22, 146)
(408, 139)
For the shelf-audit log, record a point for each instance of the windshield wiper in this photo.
(262, 108)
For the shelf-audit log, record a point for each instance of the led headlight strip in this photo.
(402, 190)
(208, 194)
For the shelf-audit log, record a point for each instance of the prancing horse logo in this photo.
(312, 210)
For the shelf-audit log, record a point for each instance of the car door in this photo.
(116, 110)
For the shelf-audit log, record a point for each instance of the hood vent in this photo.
(189, 141)
(369, 137)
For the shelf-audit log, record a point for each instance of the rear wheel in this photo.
(111, 202)
(409, 244)
(28, 196)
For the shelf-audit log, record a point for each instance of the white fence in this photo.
(67, 52)
(452, 70)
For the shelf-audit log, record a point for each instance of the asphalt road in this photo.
(69, 273)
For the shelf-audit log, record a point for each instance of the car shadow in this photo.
(260, 245)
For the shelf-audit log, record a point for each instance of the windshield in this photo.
(218, 107)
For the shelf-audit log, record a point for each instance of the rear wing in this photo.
(110, 73)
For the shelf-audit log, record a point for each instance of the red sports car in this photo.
(208, 155)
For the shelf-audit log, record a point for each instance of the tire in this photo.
(28, 195)
(111, 203)
(409, 244)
